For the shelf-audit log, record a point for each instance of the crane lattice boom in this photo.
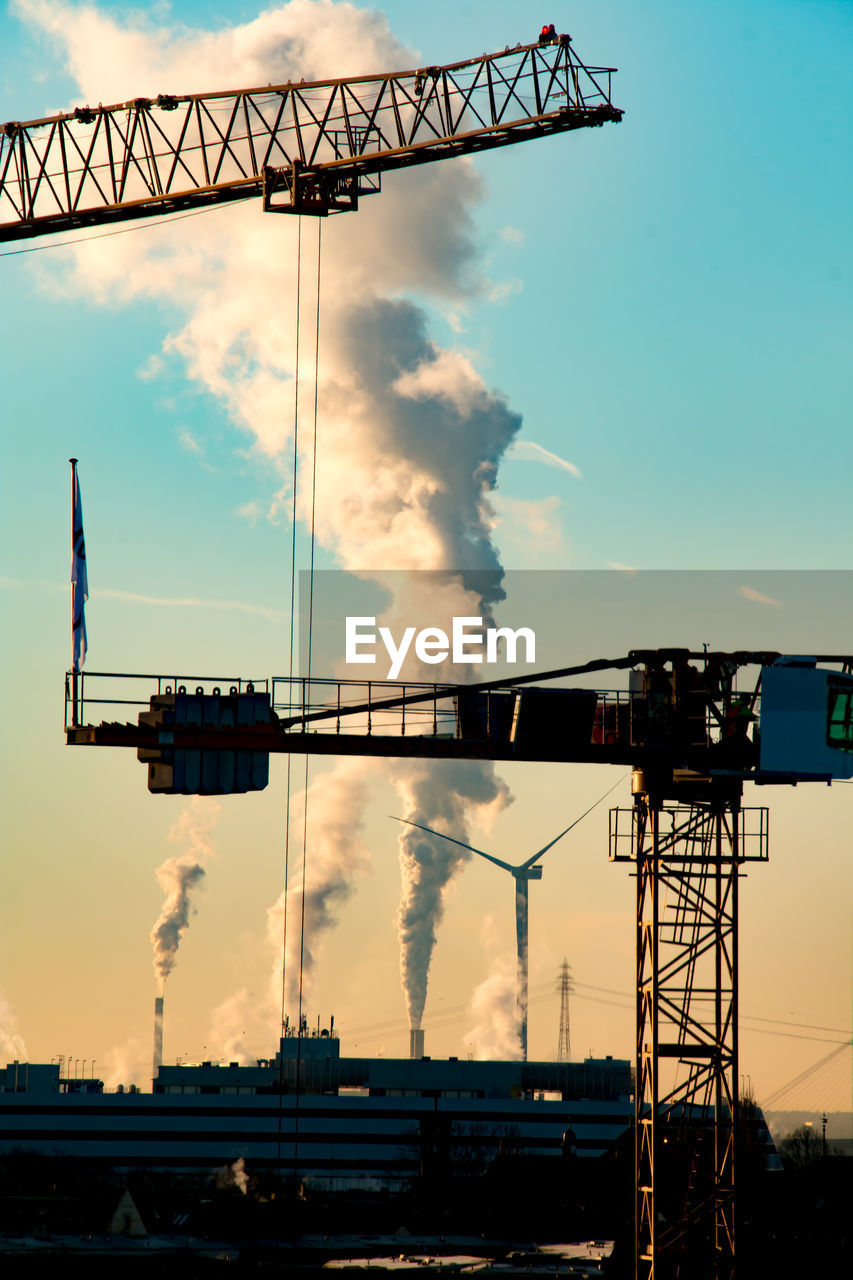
(319, 145)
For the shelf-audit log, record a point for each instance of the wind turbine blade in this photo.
(506, 866)
(536, 856)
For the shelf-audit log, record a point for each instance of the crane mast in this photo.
(304, 148)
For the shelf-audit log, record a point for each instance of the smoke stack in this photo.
(158, 1035)
(416, 1043)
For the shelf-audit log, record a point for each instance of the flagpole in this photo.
(74, 719)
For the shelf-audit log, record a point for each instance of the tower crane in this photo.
(316, 149)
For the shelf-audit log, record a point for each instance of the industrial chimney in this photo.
(416, 1043)
(158, 1035)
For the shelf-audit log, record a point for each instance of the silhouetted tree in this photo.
(802, 1148)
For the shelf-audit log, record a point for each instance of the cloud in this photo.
(193, 602)
(623, 568)
(533, 524)
(410, 436)
(250, 511)
(28, 584)
(503, 289)
(164, 602)
(188, 441)
(151, 368)
(112, 60)
(530, 451)
(749, 593)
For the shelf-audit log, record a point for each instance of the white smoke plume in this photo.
(494, 1005)
(12, 1045)
(126, 1064)
(178, 877)
(409, 436)
(337, 854)
(233, 1175)
(240, 1025)
(440, 795)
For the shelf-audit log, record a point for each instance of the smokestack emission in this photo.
(158, 1035)
(413, 437)
(435, 794)
(179, 877)
(416, 1043)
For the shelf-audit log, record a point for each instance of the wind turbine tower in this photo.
(523, 874)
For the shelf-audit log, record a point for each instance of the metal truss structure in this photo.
(675, 720)
(682, 728)
(686, 859)
(305, 148)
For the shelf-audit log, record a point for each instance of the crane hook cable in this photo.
(292, 605)
(310, 602)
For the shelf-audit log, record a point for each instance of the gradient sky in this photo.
(665, 303)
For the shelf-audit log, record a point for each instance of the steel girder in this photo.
(320, 144)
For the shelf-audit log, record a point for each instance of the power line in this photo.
(456, 1014)
(806, 1026)
(791, 1035)
(744, 1017)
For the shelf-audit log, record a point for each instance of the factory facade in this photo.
(340, 1123)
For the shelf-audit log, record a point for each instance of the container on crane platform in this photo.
(806, 720)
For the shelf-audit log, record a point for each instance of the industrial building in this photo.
(349, 1123)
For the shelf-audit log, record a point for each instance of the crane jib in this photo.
(307, 148)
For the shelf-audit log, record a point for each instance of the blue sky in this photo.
(666, 303)
(685, 294)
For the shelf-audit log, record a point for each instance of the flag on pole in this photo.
(79, 579)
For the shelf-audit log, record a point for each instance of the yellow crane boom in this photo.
(303, 147)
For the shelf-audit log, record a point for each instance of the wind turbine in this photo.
(522, 874)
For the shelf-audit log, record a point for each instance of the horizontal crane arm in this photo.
(318, 145)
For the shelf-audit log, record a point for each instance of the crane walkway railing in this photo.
(385, 709)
